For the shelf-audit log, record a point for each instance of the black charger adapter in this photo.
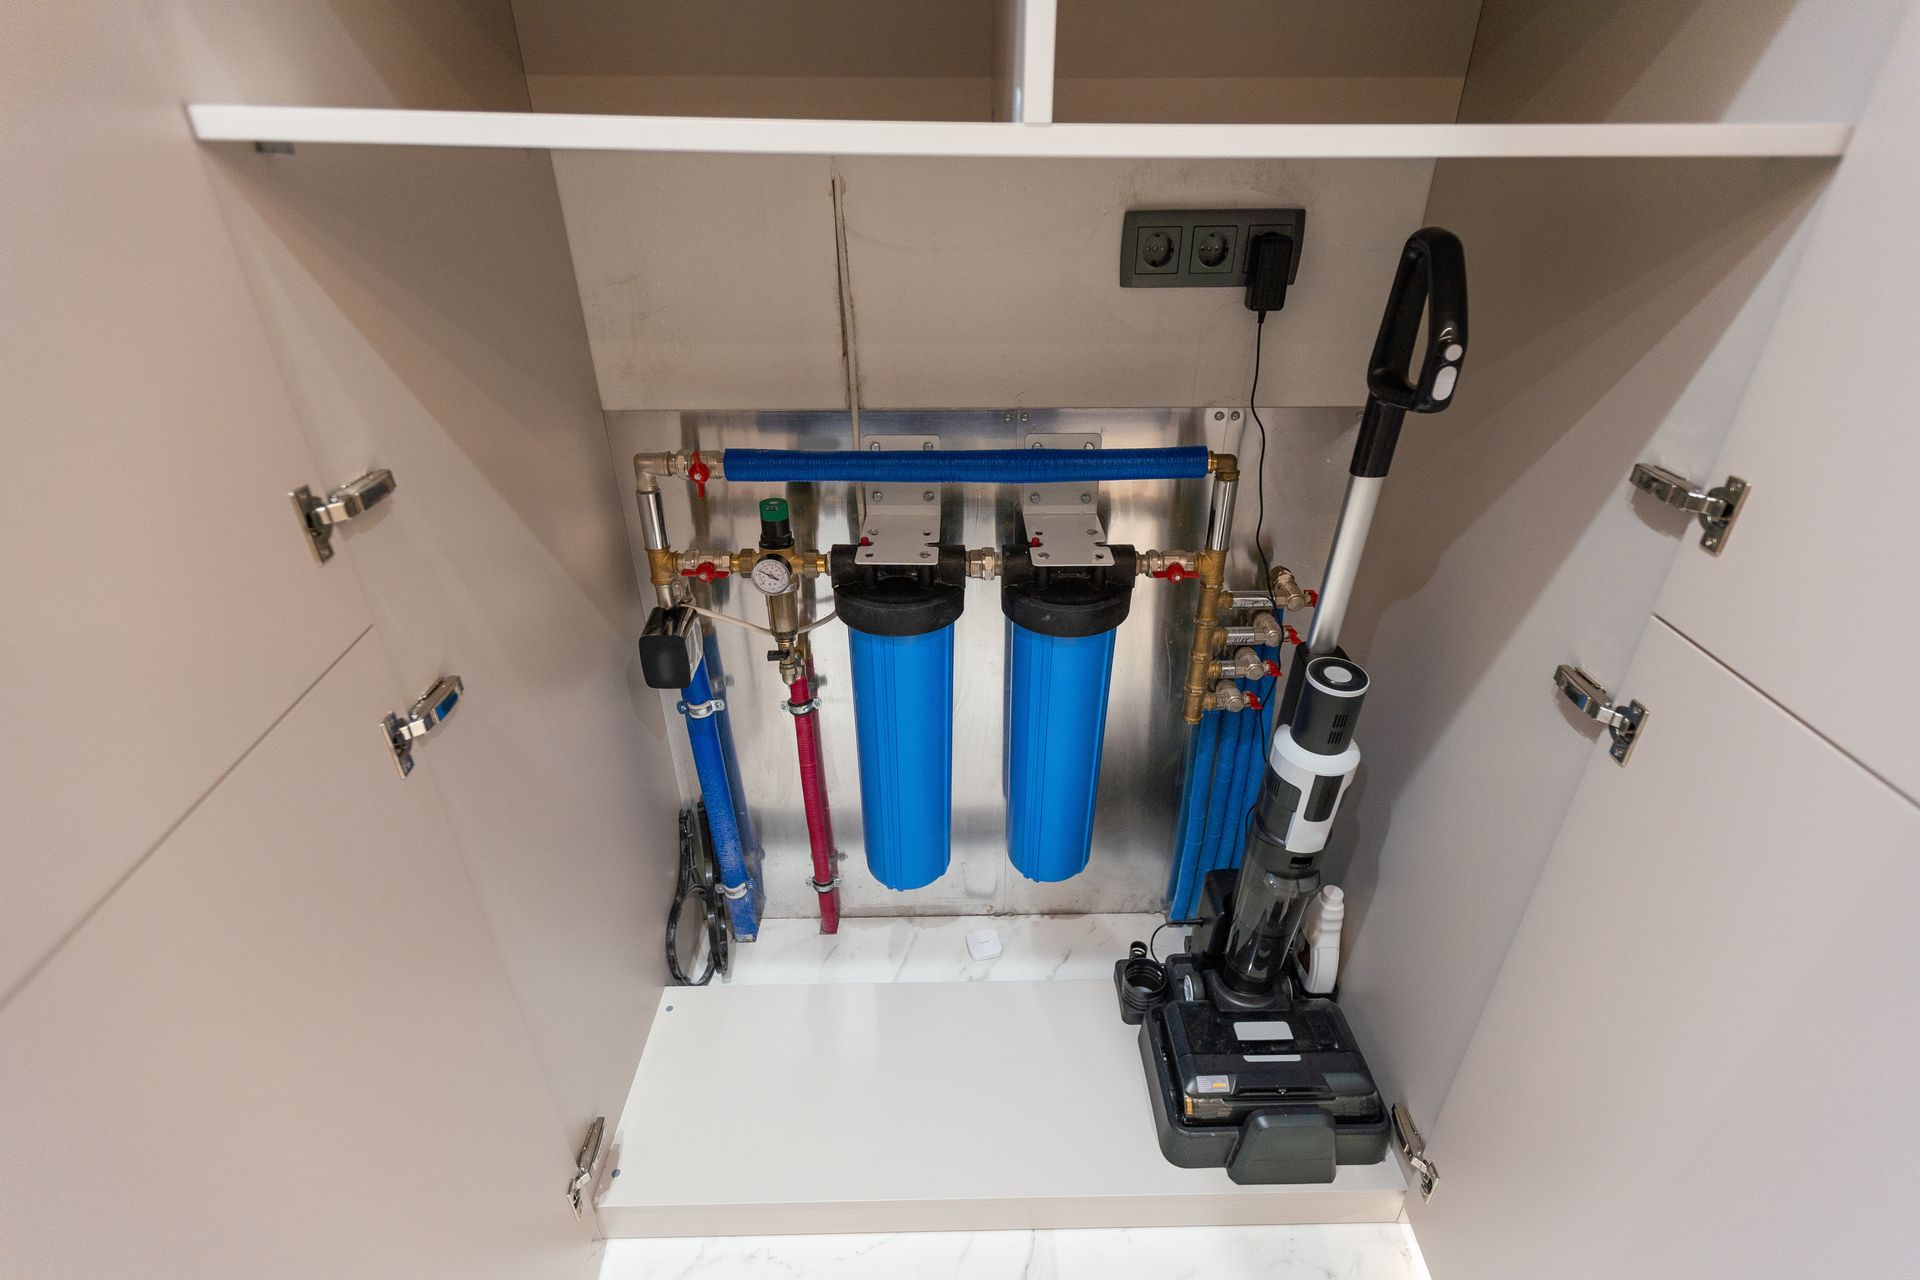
(1269, 263)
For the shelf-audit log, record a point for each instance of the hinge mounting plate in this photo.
(586, 1163)
(1590, 698)
(318, 515)
(421, 719)
(1414, 1148)
(1717, 508)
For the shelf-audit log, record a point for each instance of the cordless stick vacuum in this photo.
(1314, 757)
(1244, 1072)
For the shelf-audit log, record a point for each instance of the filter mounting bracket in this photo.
(901, 524)
(1062, 521)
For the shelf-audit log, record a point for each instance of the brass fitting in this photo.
(1163, 564)
(804, 563)
(1244, 664)
(663, 566)
(1211, 567)
(648, 467)
(1287, 593)
(983, 562)
(1228, 696)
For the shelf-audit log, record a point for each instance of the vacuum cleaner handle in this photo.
(1432, 283)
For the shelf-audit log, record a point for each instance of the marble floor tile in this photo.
(934, 949)
(1361, 1252)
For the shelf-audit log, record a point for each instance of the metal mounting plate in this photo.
(1590, 698)
(422, 718)
(318, 515)
(1716, 508)
(902, 521)
(1064, 519)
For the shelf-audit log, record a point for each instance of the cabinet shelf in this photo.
(214, 122)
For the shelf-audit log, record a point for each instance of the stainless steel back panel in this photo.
(1145, 740)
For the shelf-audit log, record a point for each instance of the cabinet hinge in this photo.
(421, 719)
(1414, 1148)
(586, 1163)
(1717, 508)
(319, 515)
(1591, 699)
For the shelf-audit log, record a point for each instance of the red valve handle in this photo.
(1273, 668)
(1175, 572)
(1253, 700)
(1293, 637)
(1313, 598)
(699, 472)
(706, 571)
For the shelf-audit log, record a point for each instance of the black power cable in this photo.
(696, 878)
(1269, 267)
(1259, 475)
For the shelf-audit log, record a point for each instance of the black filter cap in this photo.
(899, 599)
(1071, 600)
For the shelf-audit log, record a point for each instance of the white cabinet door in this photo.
(1816, 598)
(285, 1046)
(1696, 1059)
(423, 310)
(160, 608)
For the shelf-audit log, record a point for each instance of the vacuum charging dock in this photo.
(1273, 1091)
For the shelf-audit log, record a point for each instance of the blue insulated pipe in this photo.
(1190, 834)
(716, 789)
(965, 466)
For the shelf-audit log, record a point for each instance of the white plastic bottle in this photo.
(1321, 940)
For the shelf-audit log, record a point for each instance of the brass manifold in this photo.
(1210, 566)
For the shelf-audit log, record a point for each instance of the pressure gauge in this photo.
(773, 575)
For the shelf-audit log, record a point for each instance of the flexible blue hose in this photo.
(1256, 770)
(966, 466)
(716, 789)
(1223, 835)
(1190, 830)
(1218, 793)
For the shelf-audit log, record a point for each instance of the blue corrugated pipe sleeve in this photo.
(965, 466)
(710, 764)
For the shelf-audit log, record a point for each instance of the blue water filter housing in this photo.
(900, 632)
(1061, 625)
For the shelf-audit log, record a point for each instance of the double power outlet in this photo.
(1198, 248)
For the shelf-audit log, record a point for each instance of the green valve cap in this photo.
(772, 509)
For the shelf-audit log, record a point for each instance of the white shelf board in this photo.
(948, 1106)
(214, 122)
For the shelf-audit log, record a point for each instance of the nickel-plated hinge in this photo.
(1414, 1148)
(421, 719)
(319, 515)
(1717, 508)
(1591, 699)
(586, 1163)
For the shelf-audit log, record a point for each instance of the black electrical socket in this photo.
(1199, 248)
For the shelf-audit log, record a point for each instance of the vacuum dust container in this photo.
(1060, 636)
(899, 620)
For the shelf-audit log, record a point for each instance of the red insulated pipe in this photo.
(813, 793)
